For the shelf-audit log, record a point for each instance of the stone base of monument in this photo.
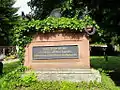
(74, 75)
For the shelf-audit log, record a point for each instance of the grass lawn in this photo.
(111, 67)
(113, 63)
(12, 78)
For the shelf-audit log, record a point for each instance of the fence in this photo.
(6, 50)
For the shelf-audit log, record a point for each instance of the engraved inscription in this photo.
(55, 52)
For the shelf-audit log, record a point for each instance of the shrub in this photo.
(12, 79)
(28, 78)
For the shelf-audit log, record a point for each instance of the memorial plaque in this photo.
(55, 52)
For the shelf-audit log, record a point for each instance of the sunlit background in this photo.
(22, 5)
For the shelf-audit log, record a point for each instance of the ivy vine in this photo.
(23, 32)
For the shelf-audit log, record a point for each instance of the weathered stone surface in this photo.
(74, 75)
(58, 39)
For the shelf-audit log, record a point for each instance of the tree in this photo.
(7, 20)
(105, 12)
(42, 8)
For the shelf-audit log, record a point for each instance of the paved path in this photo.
(9, 61)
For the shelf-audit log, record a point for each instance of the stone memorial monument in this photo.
(61, 56)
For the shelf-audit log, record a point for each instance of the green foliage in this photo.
(28, 78)
(107, 17)
(20, 79)
(64, 85)
(108, 83)
(42, 8)
(14, 76)
(8, 19)
(23, 32)
(12, 79)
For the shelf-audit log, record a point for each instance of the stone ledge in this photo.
(74, 75)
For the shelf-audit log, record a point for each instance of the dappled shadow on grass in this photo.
(115, 76)
(112, 66)
(113, 63)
